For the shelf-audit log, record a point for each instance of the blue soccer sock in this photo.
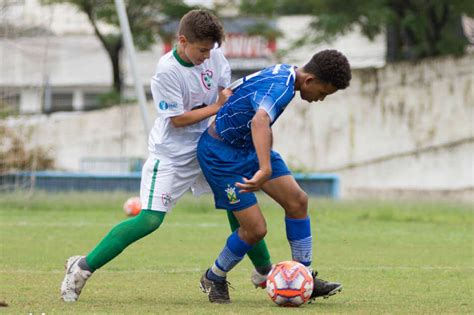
(298, 232)
(233, 252)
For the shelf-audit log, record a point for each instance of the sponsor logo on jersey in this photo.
(231, 195)
(164, 105)
(206, 78)
(166, 199)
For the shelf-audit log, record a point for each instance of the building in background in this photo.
(59, 65)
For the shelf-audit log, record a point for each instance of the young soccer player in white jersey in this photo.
(237, 159)
(185, 88)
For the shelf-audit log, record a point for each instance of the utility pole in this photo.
(130, 49)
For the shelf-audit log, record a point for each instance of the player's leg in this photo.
(79, 269)
(121, 236)
(283, 188)
(294, 201)
(286, 191)
(213, 155)
(252, 229)
(258, 254)
(155, 179)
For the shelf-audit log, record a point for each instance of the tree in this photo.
(145, 18)
(415, 28)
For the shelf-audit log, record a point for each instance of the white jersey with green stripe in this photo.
(178, 87)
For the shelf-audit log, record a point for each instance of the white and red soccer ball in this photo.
(132, 206)
(289, 283)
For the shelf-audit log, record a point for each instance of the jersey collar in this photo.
(180, 60)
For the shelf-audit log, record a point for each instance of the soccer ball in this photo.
(132, 206)
(289, 283)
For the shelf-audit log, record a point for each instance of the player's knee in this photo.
(298, 206)
(151, 220)
(256, 233)
(303, 200)
(260, 233)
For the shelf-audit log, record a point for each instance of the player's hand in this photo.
(223, 97)
(255, 183)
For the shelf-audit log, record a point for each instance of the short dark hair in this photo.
(200, 25)
(330, 66)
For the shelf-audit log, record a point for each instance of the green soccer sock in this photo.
(122, 235)
(259, 254)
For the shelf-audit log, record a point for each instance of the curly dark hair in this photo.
(330, 66)
(200, 25)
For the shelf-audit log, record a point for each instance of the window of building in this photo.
(91, 101)
(60, 102)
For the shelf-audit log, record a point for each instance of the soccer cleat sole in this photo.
(207, 291)
(203, 289)
(331, 293)
(64, 296)
(69, 296)
(336, 290)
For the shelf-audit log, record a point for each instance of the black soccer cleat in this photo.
(324, 288)
(217, 291)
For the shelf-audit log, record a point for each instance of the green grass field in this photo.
(392, 257)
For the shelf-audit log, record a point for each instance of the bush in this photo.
(15, 156)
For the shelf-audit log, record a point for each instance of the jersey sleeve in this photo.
(225, 72)
(271, 99)
(167, 94)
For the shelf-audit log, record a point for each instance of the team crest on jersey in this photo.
(231, 195)
(206, 78)
(166, 199)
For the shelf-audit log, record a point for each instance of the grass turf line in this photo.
(392, 257)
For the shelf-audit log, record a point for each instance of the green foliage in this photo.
(334, 18)
(7, 109)
(174, 9)
(108, 99)
(415, 29)
(145, 18)
(258, 7)
(265, 30)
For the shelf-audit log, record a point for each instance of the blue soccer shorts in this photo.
(223, 165)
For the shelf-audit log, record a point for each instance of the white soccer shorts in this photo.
(163, 183)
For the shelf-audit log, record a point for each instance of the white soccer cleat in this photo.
(258, 280)
(74, 280)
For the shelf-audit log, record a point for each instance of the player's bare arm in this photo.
(194, 116)
(262, 140)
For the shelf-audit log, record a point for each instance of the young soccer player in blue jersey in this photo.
(237, 159)
(185, 92)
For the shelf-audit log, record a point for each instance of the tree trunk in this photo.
(114, 49)
(113, 46)
(116, 70)
(434, 27)
(394, 51)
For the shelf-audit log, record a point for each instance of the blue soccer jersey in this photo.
(270, 89)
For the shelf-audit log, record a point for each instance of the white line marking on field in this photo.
(165, 271)
(83, 224)
(198, 269)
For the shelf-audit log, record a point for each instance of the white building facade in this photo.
(67, 69)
